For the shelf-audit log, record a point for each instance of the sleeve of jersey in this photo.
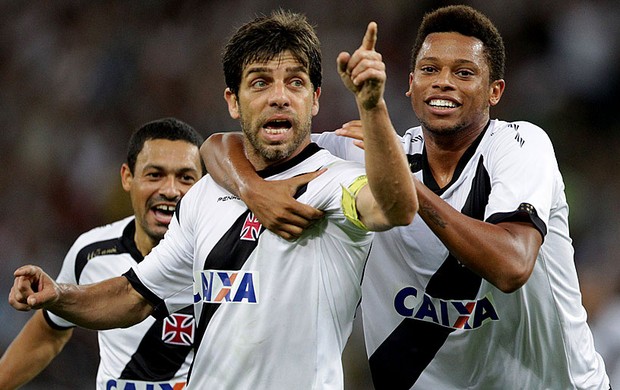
(164, 277)
(524, 174)
(66, 275)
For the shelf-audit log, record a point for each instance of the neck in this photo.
(263, 159)
(444, 150)
(144, 243)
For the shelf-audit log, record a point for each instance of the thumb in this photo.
(41, 299)
(343, 61)
(32, 301)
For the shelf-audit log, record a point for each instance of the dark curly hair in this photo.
(467, 21)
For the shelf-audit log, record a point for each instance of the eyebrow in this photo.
(457, 61)
(161, 168)
(264, 69)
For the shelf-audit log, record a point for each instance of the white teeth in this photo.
(276, 131)
(163, 207)
(442, 103)
(278, 126)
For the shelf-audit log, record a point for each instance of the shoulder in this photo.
(326, 136)
(340, 146)
(518, 130)
(100, 241)
(413, 140)
(104, 232)
(335, 164)
(195, 195)
(518, 135)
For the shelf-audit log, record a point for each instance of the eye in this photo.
(297, 83)
(153, 175)
(427, 69)
(464, 73)
(259, 83)
(189, 179)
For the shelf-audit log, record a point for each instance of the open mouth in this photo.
(163, 213)
(278, 126)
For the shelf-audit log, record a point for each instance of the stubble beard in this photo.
(442, 131)
(276, 152)
(154, 234)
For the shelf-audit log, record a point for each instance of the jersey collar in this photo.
(271, 170)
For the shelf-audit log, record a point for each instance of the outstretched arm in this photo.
(390, 198)
(31, 352)
(271, 202)
(112, 303)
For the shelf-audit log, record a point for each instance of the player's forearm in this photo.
(388, 173)
(112, 303)
(225, 160)
(31, 352)
(503, 254)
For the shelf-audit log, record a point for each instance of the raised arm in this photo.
(31, 352)
(390, 198)
(270, 201)
(112, 303)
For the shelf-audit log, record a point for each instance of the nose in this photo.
(279, 95)
(170, 188)
(444, 79)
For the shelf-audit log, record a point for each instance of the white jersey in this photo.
(430, 323)
(272, 313)
(154, 354)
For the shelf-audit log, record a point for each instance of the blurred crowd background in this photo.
(77, 77)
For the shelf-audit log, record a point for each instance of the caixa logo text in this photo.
(455, 314)
(217, 286)
(120, 384)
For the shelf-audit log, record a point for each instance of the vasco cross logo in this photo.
(251, 228)
(178, 329)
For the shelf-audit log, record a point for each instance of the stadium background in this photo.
(77, 77)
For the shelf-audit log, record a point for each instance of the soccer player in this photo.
(163, 162)
(481, 292)
(272, 313)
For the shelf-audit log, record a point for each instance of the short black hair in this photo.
(266, 37)
(166, 128)
(467, 21)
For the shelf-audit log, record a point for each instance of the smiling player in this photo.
(162, 164)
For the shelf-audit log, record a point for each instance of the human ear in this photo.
(233, 103)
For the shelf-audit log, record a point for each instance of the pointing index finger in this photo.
(370, 38)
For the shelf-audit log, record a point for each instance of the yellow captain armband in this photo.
(349, 205)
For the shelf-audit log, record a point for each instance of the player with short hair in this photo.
(272, 313)
(481, 292)
(163, 162)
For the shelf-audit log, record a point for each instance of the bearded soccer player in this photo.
(272, 313)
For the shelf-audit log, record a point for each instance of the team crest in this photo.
(178, 329)
(251, 228)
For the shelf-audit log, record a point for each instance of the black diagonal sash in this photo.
(407, 351)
